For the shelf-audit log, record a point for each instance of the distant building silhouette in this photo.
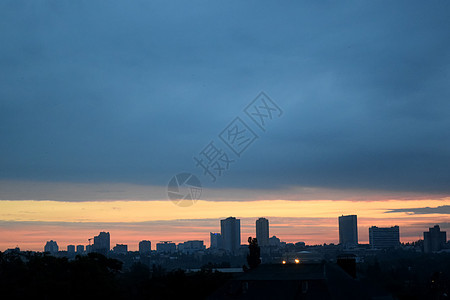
(300, 244)
(387, 237)
(230, 229)
(101, 243)
(12, 250)
(215, 241)
(51, 247)
(166, 247)
(120, 249)
(262, 231)
(434, 240)
(274, 242)
(348, 231)
(80, 249)
(190, 247)
(70, 249)
(145, 247)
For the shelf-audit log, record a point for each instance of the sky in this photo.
(103, 103)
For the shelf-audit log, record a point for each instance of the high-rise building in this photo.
(120, 249)
(80, 249)
(145, 247)
(388, 237)
(215, 241)
(434, 240)
(348, 231)
(230, 230)
(70, 249)
(101, 243)
(51, 247)
(262, 231)
(166, 247)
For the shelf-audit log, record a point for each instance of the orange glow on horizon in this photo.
(28, 224)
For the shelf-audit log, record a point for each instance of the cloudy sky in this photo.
(101, 103)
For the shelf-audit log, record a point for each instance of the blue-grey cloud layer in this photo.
(444, 209)
(131, 92)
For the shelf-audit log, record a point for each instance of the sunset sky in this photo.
(102, 103)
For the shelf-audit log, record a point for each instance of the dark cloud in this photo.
(444, 209)
(114, 92)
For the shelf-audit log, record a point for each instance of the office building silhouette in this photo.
(384, 237)
(101, 243)
(262, 231)
(348, 231)
(145, 247)
(434, 240)
(51, 247)
(230, 230)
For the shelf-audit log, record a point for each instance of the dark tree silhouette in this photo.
(253, 258)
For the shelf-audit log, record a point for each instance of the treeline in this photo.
(40, 276)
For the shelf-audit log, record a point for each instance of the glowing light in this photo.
(283, 262)
(297, 261)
